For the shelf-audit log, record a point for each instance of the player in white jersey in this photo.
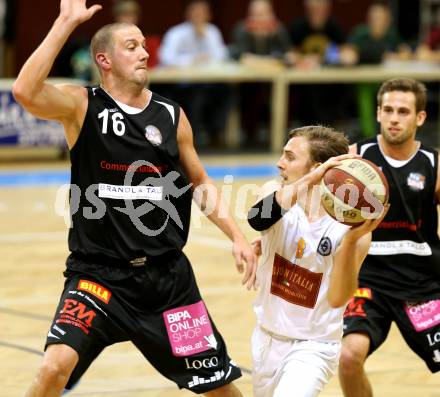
(308, 270)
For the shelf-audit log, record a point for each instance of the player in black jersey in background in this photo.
(127, 277)
(400, 278)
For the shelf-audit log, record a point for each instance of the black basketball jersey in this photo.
(403, 258)
(129, 196)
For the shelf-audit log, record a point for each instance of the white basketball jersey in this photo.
(294, 271)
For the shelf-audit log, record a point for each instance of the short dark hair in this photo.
(102, 41)
(324, 142)
(404, 85)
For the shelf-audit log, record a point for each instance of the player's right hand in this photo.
(356, 232)
(316, 175)
(77, 11)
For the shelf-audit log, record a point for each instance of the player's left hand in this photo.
(246, 261)
(356, 232)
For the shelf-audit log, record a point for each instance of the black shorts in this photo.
(156, 306)
(372, 313)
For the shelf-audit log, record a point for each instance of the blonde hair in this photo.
(324, 142)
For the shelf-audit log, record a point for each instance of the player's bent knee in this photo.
(57, 366)
(351, 360)
(53, 375)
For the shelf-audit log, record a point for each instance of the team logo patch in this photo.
(325, 246)
(153, 135)
(95, 289)
(189, 330)
(294, 283)
(363, 293)
(300, 248)
(423, 315)
(416, 181)
(355, 308)
(76, 314)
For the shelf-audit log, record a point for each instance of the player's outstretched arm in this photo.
(212, 204)
(30, 88)
(348, 260)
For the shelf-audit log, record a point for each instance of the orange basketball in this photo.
(354, 191)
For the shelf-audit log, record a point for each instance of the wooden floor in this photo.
(32, 254)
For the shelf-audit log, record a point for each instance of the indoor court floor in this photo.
(32, 254)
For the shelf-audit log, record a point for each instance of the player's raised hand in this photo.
(317, 174)
(77, 10)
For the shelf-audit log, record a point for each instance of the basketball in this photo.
(354, 191)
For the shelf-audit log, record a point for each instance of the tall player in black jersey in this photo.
(400, 278)
(127, 277)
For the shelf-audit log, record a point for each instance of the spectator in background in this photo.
(260, 40)
(377, 38)
(197, 42)
(429, 50)
(317, 39)
(316, 36)
(371, 43)
(260, 33)
(127, 11)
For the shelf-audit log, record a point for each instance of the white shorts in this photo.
(284, 367)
